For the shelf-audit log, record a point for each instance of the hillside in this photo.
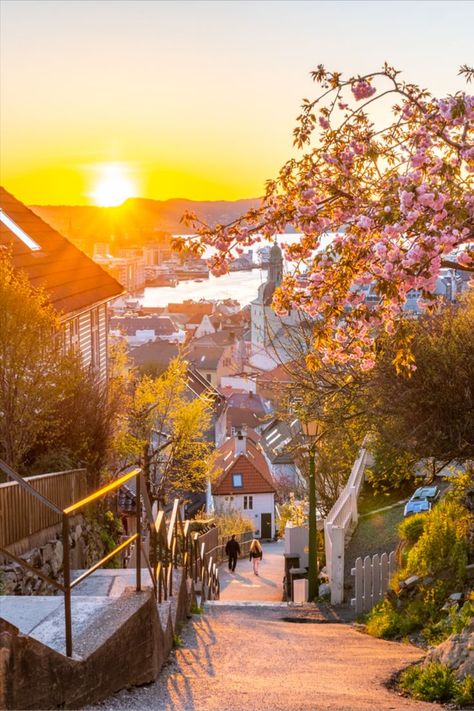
(137, 221)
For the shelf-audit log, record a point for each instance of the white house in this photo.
(245, 483)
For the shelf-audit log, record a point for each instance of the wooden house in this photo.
(78, 288)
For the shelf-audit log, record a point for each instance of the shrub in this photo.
(411, 528)
(442, 547)
(386, 622)
(232, 521)
(436, 682)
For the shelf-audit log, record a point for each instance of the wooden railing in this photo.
(170, 544)
(20, 515)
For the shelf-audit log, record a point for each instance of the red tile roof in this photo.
(72, 280)
(256, 475)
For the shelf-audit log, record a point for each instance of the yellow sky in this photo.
(190, 99)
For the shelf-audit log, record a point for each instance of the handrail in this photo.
(101, 492)
(173, 543)
(104, 560)
(20, 480)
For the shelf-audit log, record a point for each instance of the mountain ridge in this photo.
(137, 221)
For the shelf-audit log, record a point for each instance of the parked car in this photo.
(422, 500)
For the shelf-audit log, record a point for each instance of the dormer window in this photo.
(237, 481)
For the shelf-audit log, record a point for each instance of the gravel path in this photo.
(251, 659)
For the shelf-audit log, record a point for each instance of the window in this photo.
(21, 234)
(237, 481)
(248, 502)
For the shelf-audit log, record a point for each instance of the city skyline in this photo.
(106, 100)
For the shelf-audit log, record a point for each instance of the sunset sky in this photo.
(190, 99)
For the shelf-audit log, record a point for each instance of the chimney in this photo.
(241, 441)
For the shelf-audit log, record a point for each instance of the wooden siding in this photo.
(85, 338)
(102, 346)
(22, 515)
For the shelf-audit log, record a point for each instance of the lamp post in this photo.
(312, 431)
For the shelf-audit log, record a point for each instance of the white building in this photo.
(269, 342)
(245, 483)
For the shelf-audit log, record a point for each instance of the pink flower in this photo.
(465, 259)
(366, 223)
(362, 89)
(323, 122)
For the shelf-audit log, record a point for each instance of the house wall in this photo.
(231, 362)
(205, 373)
(87, 333)
(238, 383)
(220, 428)
(262, 503)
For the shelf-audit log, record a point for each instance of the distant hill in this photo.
(137, 221)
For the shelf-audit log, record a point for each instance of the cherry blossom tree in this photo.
(396, 196)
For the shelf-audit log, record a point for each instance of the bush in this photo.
(385, 622)
(436, 682)
(411, 528)
(442, 548)
(232, 521)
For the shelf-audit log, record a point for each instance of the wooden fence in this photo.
(20, 515)
(372, 577)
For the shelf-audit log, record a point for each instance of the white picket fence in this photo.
(372, 576)
(339, 524)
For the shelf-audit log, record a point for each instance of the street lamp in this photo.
(312, 430)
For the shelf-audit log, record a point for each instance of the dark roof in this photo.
(237, 416)
(219, 338)
(161, 325)
(248, 401)
(205, 357)
(71, 279)
(278, 439)
(159, 353)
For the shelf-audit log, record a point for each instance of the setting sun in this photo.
(113, 186)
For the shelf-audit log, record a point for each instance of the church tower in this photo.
(275, 265)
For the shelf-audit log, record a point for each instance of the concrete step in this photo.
(42, 618)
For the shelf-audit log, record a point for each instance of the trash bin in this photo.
(300, 590)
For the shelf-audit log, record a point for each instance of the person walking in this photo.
(232, 550)
(255, 555)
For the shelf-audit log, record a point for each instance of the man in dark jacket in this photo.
(232, 549)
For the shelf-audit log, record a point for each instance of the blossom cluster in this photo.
(397, 198)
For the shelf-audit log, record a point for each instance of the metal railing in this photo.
(170, 545)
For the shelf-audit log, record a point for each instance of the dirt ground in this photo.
(243, 658)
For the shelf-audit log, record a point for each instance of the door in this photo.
(266, 525)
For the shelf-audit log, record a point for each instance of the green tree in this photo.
(430, 414)
(54, 413)
(32, 365)
(165, 430)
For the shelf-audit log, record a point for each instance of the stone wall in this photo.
(86, 548)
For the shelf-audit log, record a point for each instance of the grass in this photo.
(437, 682)
(370, 500)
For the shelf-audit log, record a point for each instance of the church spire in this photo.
(275, 265)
